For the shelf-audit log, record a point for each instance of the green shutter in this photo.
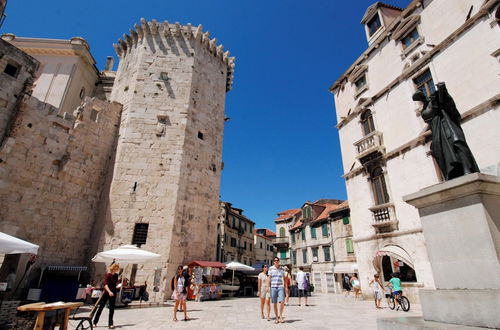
(303, 231)
(313, 232)
(324, 228)
(304, 256)
(346, 220)
(293, 237)
(283, 254)
(348, 245)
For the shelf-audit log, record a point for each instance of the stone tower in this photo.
(171, 81)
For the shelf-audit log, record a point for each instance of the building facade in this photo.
(319, 240)
(264, 246)
(384, 141)
(235, 240)
(132, 157)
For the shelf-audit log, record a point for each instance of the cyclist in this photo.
(395, 284)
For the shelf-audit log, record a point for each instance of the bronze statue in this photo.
(449, 148)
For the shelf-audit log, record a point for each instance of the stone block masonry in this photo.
(52, 171)
(172, 81)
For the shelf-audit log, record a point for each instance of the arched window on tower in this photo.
(379, 186)
(367, 122)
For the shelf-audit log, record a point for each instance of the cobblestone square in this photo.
(326, 311)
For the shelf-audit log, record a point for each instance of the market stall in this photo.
(205, 279)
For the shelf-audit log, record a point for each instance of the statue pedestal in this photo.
(461, 225)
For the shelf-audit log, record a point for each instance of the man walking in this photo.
(302, 284)
(276, 281)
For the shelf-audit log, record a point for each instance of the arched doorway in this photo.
(394, 259)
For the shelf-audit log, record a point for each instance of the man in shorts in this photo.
(302, 284)
(276, 281)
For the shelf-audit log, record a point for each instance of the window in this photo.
(293, 237)
(425, 83)
(313, 232)
(245, 245)
(373, 25)
(282, 232)
(200, 135)
(379, 187)
(410, 38)
(82, 93)
(367, 122)
(233, 242)
(271, 248)
(140, 234)
(234, 222)
(326, 252)
(294, 257)
(324, 229)
(283, 254)
(93, 115)
(306, 212)
(348, 245)
(315, 254)
(261, 245)
(12, 70)
(304, 256)
(360, 82)
(245, 227)
(225, 237)
(345, 220)
(303, 233)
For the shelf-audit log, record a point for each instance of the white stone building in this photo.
(318, 238)
(385, 142)
(264, 246)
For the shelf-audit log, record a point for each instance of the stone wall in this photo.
(12, 87)
(52, 171)
(172, 81)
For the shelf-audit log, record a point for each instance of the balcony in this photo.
(384, 218)
(371, 143)
(285, 261)
(282, 241)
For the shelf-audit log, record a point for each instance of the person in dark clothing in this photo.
(109, 294)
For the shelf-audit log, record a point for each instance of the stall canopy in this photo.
(12, 245)
(345, 267)
(126, 254)
(213, 264)
(395, 252)
(233, 265)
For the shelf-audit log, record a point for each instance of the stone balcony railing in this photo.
(384, 217)
(369, 144)
(282, 241)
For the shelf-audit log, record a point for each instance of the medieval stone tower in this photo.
(171, 81)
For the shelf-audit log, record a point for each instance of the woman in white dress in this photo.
(264, 294)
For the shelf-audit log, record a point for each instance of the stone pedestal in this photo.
(461, 224)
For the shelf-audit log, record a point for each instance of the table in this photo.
(42, 307)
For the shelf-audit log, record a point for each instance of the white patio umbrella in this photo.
(126, 254)
(12, 245)
(233, 265)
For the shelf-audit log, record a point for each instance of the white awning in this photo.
(396, 252)
(345, 267)
(127, 254)
(67, 268)
(13, 245)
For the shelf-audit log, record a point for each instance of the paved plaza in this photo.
(326, 311)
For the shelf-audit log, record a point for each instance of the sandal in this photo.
(111, 327)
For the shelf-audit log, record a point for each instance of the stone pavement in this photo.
(326, 311)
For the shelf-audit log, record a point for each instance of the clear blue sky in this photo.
(281, 146)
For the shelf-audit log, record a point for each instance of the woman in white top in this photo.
(377, 290)
(264, 293)
(356, 286)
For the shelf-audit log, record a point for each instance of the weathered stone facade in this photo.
(145, 149)
(172, 82)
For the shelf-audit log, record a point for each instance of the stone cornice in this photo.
(176, 30)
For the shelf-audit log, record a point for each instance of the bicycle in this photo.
(402, 300)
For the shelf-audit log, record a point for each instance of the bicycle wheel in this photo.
(405, 303)
(84, 325)
(391, 303)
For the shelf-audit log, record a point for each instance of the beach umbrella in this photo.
(13, 245)
(233, 265)
(126, 254)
